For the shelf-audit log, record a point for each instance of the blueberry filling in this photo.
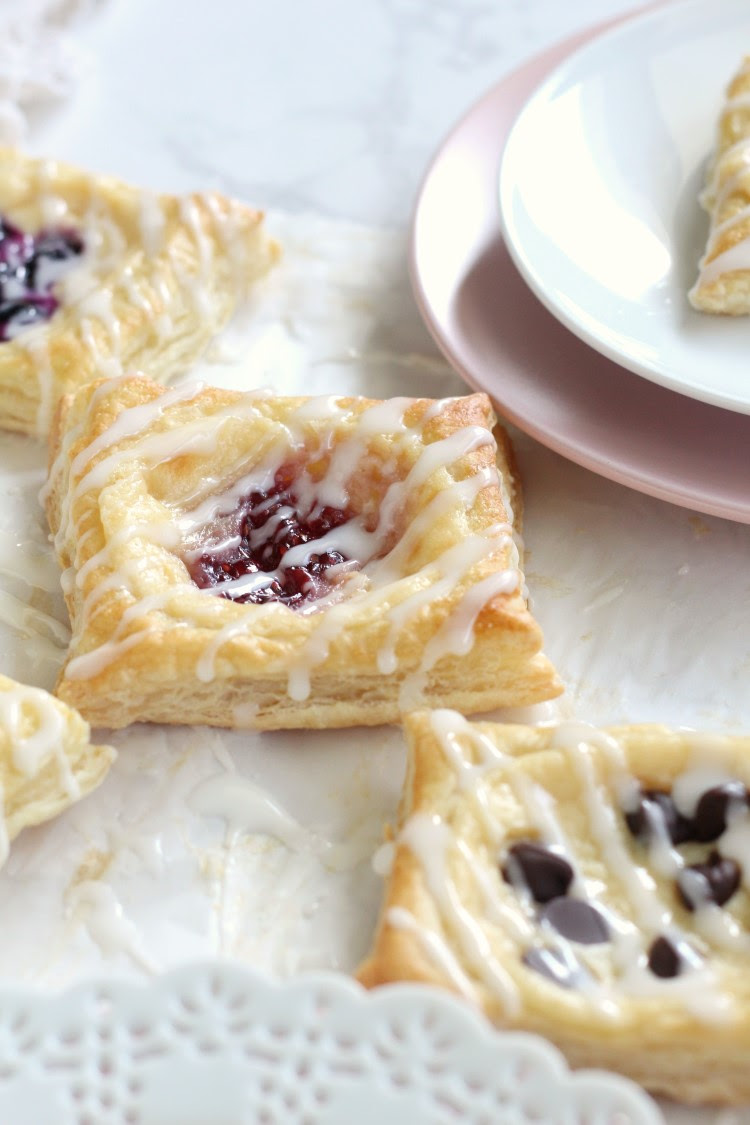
(714, 881)
(714, 808)
(654, 809)
(546, 874)
(271, 523)
(30, 265)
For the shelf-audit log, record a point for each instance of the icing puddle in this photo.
(249, 810)
(246, 808)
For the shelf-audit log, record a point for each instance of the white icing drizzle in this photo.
(436, 948)
(427, 838)
(450, 727)
(717, 195)
(30, 562)
(497, 911)
(35, 344)
(455, 637)
(196, 285)
(30, 750)
(206, 667)
(605, 823)
(476, 761)
(69, 438)
(736, 257)
(383, 857)
(246, 806)
(151, 223)
(244, 714)
(739, 152)
(90, 664)
(688, 788)
(248, 809)
(359, 585)
(96, 905)
(737, 101)
(90, 288)
(51, 634)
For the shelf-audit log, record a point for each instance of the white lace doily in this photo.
(215, 1044)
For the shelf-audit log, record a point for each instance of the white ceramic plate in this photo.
(598, 195)
(542, 378)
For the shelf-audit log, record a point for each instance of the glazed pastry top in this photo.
(197, 506)
(612, 866)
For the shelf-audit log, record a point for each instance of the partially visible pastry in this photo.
(98, 277)
(47, 761)
(247, 560)
(589, 885)
(723, 283)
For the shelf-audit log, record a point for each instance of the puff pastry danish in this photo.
(246, 560)
(723, 284)
(97, 277)
(46, 759)
(589, 885)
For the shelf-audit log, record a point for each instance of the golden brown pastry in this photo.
(246, 560)
(723, 284)
(46, 759)
(589, 885)
(97, 277)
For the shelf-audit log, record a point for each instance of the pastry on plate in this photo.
(46, 759)
(589, 885)
(723, 284)
(240, 559)
(97, 277)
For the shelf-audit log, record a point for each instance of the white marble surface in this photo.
(327, 107)
(324, 115)
(327, 113)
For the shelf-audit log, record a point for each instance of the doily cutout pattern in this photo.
(217, 1043)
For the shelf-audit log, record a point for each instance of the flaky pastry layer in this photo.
(47, 761)
(159, 277)
(723, 283)
(459, 915)
(430, 607)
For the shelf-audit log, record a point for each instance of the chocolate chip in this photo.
(546, 874)
(553, 965)
(664, 958)
(653, 807)
(712, 809)
(577, 920)
(714, 881)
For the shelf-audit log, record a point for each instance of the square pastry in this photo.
(97, 277)
(723, 283)
(47, 761)
(588, 885)
(240, 559)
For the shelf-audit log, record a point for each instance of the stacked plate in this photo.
(557, 234)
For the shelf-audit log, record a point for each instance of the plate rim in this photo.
(656, 372)
(631, 475)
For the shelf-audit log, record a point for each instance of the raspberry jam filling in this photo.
(30, 265)
(271, 523)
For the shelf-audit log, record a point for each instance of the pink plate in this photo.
(542, 378)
